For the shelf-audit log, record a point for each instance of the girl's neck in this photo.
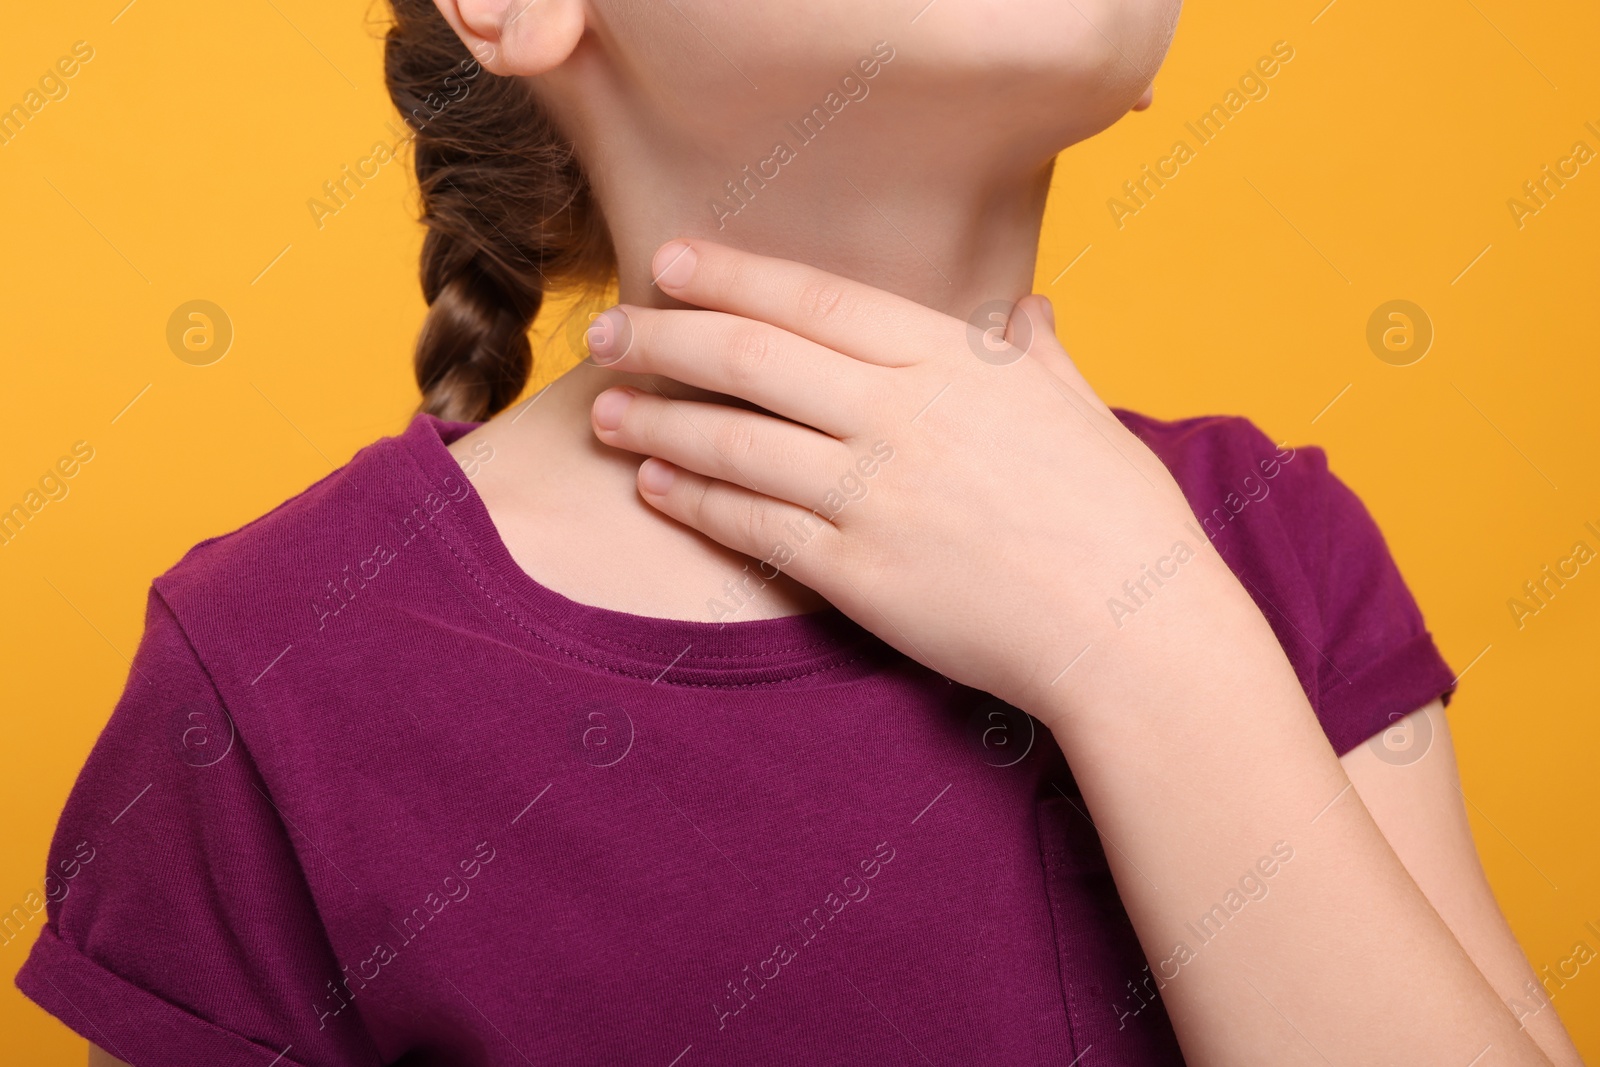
(566, 505)
(945, 243)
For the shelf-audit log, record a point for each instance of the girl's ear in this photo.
(511, 37)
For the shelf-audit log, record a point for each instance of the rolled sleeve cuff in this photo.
(1357, 705)
(129, 1022)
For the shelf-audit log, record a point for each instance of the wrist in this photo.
(1157, 646)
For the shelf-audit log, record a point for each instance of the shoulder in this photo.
(1227, 466)
(284, 575)
(1315, 561)
(297, 535)
(1264, 504)
(1218, 452)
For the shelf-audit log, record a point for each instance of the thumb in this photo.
(1039, 307)
(1032, 328)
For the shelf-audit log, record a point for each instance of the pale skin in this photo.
(1015, 503)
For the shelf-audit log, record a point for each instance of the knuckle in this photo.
(734, 440)
(647, 426)
(716, 512)
(750, 517)
(824, 300)
(694, 501)
(649, 421)
(730, 272)
(751, 350)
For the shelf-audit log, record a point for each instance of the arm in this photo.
(1015, 503)
(1196, 763)
(95, 966)
(1420, 810)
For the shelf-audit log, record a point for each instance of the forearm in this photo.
(1194, 763)
(1185, 727)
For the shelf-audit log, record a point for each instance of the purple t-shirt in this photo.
(373, 795)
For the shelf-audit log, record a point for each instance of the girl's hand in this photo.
(986, 544)
(958, 490)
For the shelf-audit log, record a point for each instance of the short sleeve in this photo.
(180, 930)
(1377, 661)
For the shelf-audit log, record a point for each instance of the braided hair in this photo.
(508, 210)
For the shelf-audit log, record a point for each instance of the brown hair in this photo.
(508, 209)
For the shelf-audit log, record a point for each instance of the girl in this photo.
(905, 705)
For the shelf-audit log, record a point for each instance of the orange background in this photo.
(1378, 167)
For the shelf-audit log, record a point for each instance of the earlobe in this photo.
(517, 37)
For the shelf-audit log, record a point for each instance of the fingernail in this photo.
(609, 336)
(674, 265)
(609, 407)
(1049, 313)
(655, 476)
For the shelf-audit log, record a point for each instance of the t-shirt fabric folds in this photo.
(372, 795)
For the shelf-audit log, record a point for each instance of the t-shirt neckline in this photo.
(679, 652)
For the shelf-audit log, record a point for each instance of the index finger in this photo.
(846, 316)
